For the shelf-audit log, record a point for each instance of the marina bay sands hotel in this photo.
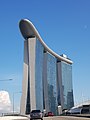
(47, 76)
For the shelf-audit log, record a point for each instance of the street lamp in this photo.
(14, 99)
(6, 79)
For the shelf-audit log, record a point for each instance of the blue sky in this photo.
(64, 25)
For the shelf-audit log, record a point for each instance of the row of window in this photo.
(53, 82)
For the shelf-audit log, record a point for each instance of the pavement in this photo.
(14, 118)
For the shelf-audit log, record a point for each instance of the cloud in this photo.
(5, 103)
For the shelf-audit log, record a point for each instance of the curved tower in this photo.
(47, 76)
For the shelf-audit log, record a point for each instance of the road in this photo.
(65, 118)
(45, 118)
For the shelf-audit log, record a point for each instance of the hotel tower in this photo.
(47, 76)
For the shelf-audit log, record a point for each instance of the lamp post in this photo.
(3, 80)
(6, 80)
(14, 100)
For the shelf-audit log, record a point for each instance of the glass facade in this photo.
(28, 99)
(50, 83)
(39, 75)
(53, 82)
(66, 95)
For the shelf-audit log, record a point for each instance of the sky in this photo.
(64, 26)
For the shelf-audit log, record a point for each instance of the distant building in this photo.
(83, 108)
(47, 80)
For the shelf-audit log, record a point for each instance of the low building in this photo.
(83, 108)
